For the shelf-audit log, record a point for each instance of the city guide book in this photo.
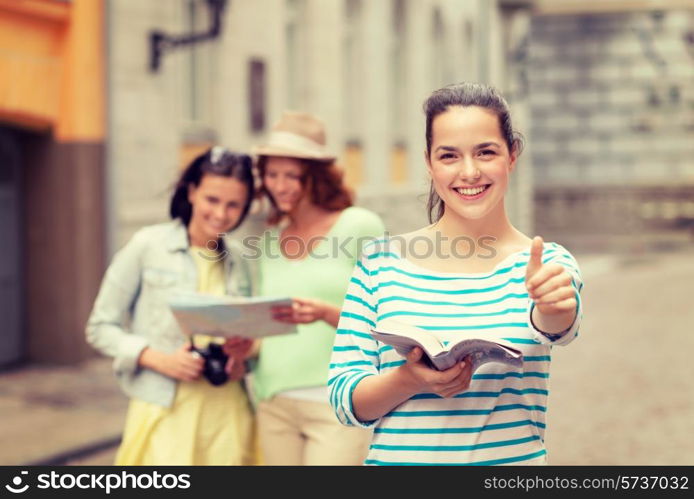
(227, 316)
(443, 352)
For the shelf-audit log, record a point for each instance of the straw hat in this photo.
(296, 135)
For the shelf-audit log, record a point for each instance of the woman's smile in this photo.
(472, 193)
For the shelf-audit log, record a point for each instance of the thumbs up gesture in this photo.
(549, 285)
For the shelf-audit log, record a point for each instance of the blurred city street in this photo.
(620, 394)
(51, 414)
(104, 103)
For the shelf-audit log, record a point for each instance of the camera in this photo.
(215, 361)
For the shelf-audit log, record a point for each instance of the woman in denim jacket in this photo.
(175, 416)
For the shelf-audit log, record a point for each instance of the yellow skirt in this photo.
(207, 425)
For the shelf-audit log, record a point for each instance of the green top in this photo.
(301, 360)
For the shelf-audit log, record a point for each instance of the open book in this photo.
(228, 316)
(442, 354)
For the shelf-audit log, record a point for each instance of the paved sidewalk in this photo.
(621, 394)
(51, 413)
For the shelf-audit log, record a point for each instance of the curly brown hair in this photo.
(325, 181)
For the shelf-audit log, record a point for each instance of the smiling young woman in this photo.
(175, 416)
(308, 253)
(525, 292)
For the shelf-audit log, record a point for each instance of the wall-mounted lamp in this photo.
(160, 42)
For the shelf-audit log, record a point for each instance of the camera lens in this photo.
(215, 361)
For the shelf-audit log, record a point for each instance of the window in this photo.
(352, 58)
(398, 92)
(256, 95)
(398, 71)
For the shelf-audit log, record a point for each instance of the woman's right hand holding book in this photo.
(376, 396)
(424, 379)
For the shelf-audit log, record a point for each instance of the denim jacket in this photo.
(131, 311)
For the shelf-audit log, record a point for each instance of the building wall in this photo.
(145, 115)
(371, 106)
(52, 109)
(612, 98)
(612, 106)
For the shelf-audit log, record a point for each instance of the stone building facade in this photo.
(365, 67)
(612, 106)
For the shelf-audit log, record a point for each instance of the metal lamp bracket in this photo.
(160, 42)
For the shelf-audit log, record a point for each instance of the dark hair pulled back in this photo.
(215, 161)
(467, 94)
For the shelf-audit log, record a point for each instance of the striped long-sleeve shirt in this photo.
(500, 418)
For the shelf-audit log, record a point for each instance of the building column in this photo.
(376, 136)
(514, 85)
(418, 88)
(324, 78)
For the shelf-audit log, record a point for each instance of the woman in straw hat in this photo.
(308, 253)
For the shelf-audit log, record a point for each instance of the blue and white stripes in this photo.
(500, 419)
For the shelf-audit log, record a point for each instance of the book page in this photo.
(404, 337)
(479, 352)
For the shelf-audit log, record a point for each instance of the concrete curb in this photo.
(63, 458)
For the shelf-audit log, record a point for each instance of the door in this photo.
(11, 341)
